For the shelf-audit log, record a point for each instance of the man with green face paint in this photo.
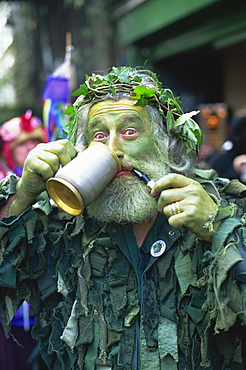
(143, 279)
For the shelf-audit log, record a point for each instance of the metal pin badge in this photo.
(158, 248)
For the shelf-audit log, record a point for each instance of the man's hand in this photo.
(41, 163)
(185, 203)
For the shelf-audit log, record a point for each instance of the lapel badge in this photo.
(158, 248)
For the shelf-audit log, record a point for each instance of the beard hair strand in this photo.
(127, 199)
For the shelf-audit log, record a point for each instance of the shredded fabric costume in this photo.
(100, 300)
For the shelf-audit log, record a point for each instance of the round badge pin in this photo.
(158, 248)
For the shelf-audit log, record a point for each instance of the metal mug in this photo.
(77, 184)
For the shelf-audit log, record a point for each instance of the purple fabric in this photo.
(56, 88)
(18, 171)
(18, 320)
(21, 318)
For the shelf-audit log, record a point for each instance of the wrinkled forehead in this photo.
(117, 107)
(120, 108)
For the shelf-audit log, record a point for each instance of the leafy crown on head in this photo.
(126, 79)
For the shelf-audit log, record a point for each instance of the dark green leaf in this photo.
(143, 91)
(72, 128)
(70, 110)
(142, 102)
(122, 73)
(170, 121)
(82, 90)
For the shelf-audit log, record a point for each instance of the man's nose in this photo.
(115, 145)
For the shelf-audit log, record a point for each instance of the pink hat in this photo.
(20, 129)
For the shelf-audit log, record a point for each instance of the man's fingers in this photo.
(168, 197)
(189, 195)
(178, 221)
(177, 188)
(172, 180)
(43, 168)
(43, 162)
(63, 149)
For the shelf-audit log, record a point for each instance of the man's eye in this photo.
(130, 132)
(99, 136)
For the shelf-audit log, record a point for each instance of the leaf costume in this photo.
(101, 301)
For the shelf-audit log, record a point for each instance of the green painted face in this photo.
(123, 127)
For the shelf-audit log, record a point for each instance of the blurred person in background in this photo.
(18, 136)
(231, 163)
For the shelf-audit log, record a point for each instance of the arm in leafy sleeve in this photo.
(22, 262)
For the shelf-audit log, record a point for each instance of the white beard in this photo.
(127, 199)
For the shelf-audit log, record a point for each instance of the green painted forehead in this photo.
(121, 106)
(144, 88)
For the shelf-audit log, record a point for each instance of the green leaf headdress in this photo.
(133, 82)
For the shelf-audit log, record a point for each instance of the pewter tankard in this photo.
(77, 184)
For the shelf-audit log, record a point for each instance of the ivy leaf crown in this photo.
(133, 81)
